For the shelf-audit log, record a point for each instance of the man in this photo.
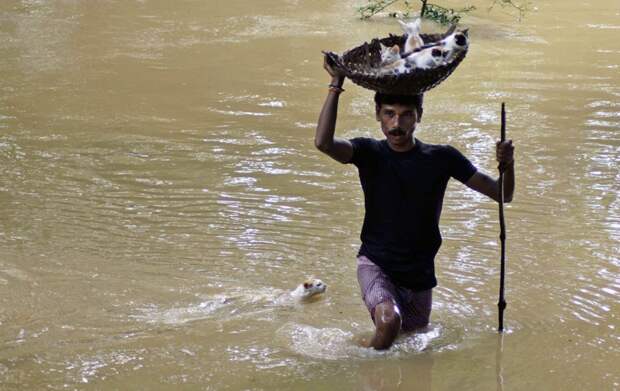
(404, 181)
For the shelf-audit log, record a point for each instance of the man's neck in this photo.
(403, 147)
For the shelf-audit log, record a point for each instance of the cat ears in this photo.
(393, 49)
(411, 27)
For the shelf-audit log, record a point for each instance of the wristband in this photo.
(335, 88)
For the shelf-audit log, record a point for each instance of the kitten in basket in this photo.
(412, 29)
(416, 56)
(309, 290)
(454, 44)
(393, 63)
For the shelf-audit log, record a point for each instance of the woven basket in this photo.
(360, 64)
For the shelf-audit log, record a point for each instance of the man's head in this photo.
(406, 100)
(398, 115)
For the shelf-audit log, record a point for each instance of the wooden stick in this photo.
(502, 226)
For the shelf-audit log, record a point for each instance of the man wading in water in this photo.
(404, 181)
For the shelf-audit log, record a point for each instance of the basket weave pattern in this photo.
(361, 64)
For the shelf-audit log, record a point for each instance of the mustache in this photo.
(397, 131)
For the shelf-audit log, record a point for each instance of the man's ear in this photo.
(377, 109)
(420, 114)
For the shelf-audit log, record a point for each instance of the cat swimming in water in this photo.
(309, 289)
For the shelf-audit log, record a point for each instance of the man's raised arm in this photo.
(338, 149)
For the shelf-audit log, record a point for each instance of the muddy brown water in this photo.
(160, 193)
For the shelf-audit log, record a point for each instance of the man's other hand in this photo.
(504, 152)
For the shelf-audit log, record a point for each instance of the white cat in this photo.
(454, 44)
(431, 57)
(309, 289)
(441, 53)
(391, 61)
(412, 29)
(389, 54)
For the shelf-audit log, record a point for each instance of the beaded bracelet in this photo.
(335, 88)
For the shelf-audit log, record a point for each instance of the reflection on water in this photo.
(396, 376)
(160, 196)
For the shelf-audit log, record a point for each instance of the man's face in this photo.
(398, 123)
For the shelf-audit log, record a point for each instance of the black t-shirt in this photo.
(403, 195)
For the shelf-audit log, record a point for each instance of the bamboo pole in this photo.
(502, 225)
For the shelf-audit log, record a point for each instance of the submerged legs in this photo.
(387, 325)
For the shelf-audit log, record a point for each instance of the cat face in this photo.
(313, 287)
(438, 55)
(389, 54)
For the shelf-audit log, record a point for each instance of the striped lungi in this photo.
(377, 287)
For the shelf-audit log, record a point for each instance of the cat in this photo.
(395, 67)
(412, 30)
(389, 54)
(391, 61)
(431, 57)
(309, 289)
(440, 53)
(454, 44)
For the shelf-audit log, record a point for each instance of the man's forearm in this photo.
(324, 140)
(489, 186)
(509, 182)
(324, 137)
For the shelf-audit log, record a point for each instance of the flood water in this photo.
(160, 194)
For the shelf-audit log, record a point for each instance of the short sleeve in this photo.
(460, 168)
(362, 148)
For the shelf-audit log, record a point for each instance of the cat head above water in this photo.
(310, 288)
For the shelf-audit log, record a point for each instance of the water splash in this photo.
(331, 343)
(180, 315)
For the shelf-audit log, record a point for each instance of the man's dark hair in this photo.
(390, 99)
